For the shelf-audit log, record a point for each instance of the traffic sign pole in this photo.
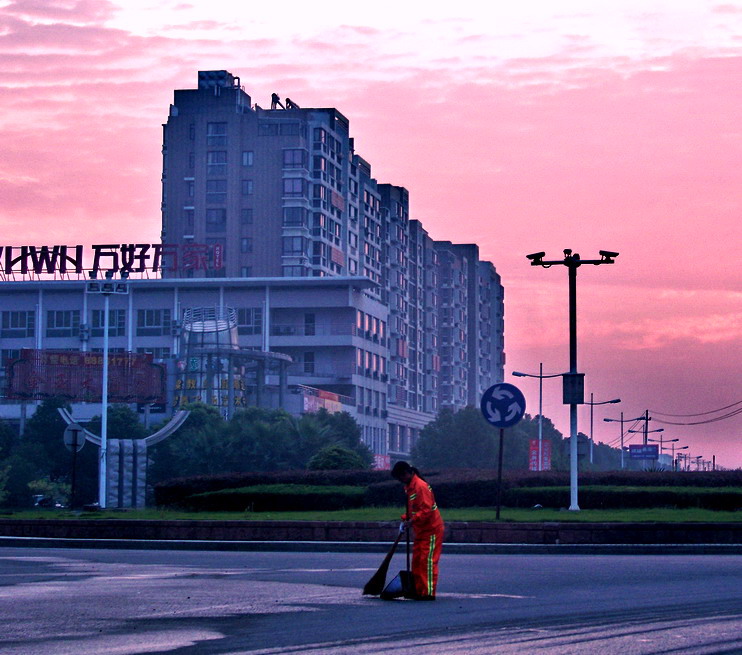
(502, 405)
(499, 475)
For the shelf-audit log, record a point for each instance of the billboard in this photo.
(644, 451)
(78, 376)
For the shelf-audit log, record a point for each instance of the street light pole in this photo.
(105, 288)
(573, 261)
(540, 377)
(622, 420)
(103, 469)
(592, 404)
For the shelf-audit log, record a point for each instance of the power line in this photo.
(713, 411)
(710, 420)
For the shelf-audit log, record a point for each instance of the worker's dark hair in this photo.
(402, 467)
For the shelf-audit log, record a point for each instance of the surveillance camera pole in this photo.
(572, 262)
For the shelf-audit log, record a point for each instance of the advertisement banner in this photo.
(78, 376)
(533, 455)
(644, 451)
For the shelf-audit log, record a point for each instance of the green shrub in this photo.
(619, 497)
(172, 493)
(278, 498)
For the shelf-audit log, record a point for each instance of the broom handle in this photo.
(408, 535)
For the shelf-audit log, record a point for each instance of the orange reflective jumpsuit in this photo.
(428, 529)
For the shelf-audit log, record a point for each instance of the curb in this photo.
(372, 547)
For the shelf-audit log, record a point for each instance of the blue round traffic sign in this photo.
(503, 405)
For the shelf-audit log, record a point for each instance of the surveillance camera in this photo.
(536, 256)
(608, 254)
(567, 252)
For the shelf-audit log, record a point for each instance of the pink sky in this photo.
(585, 126)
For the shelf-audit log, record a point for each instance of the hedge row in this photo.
(453, 488)
(173, 492)
(278, 498)
(592, 497)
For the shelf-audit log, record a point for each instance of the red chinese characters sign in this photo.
(545, 455)
(125, 257)
(78, 376)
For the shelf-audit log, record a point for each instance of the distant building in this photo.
(271, 220)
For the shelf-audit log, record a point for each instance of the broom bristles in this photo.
(376, 584)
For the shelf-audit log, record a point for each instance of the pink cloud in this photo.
(78, 11)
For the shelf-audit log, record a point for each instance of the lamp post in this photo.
(662, 445)
(105, 288)
(592, 404)
(573, 381)
(622, 420)
(674, 462)
(540, 377)
(698, 459)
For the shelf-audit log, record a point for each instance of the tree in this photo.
(8, 439)
(196, 448)
(456, 440)
(344, 430)
(123, 423)
(336, 457)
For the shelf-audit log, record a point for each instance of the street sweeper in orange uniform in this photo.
(423, 516)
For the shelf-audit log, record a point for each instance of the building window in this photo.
(18, 324)
(295, 216)
(192, 132)
(294, 246)
(216, 219)
(216, 134)
(246, 244)
(295, 158)
(246, 216)
(294, 187)
(116, 323)
(216, 162)
(62, 323)
(190, 188)
(188, 214)
(294, 271)
(153, 322)
(191, 160)
(266, 128)
(246, 271)
(248, 157)
(250, 320)
(289, 129)
(308, 362)
(247, 187)
(157, 352)
(216, 191)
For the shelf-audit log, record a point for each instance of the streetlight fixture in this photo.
(622, 420)
(592, 404)
(540, 377)
(674, 462)
(698, 459)
(105, 288)
(662, 443)
(573, 381)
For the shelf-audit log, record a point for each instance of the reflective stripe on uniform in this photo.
(430, 564)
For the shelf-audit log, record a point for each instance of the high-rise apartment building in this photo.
(253, 192)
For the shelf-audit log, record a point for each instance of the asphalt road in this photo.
(99, 602)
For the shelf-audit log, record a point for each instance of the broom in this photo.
(376, 584)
